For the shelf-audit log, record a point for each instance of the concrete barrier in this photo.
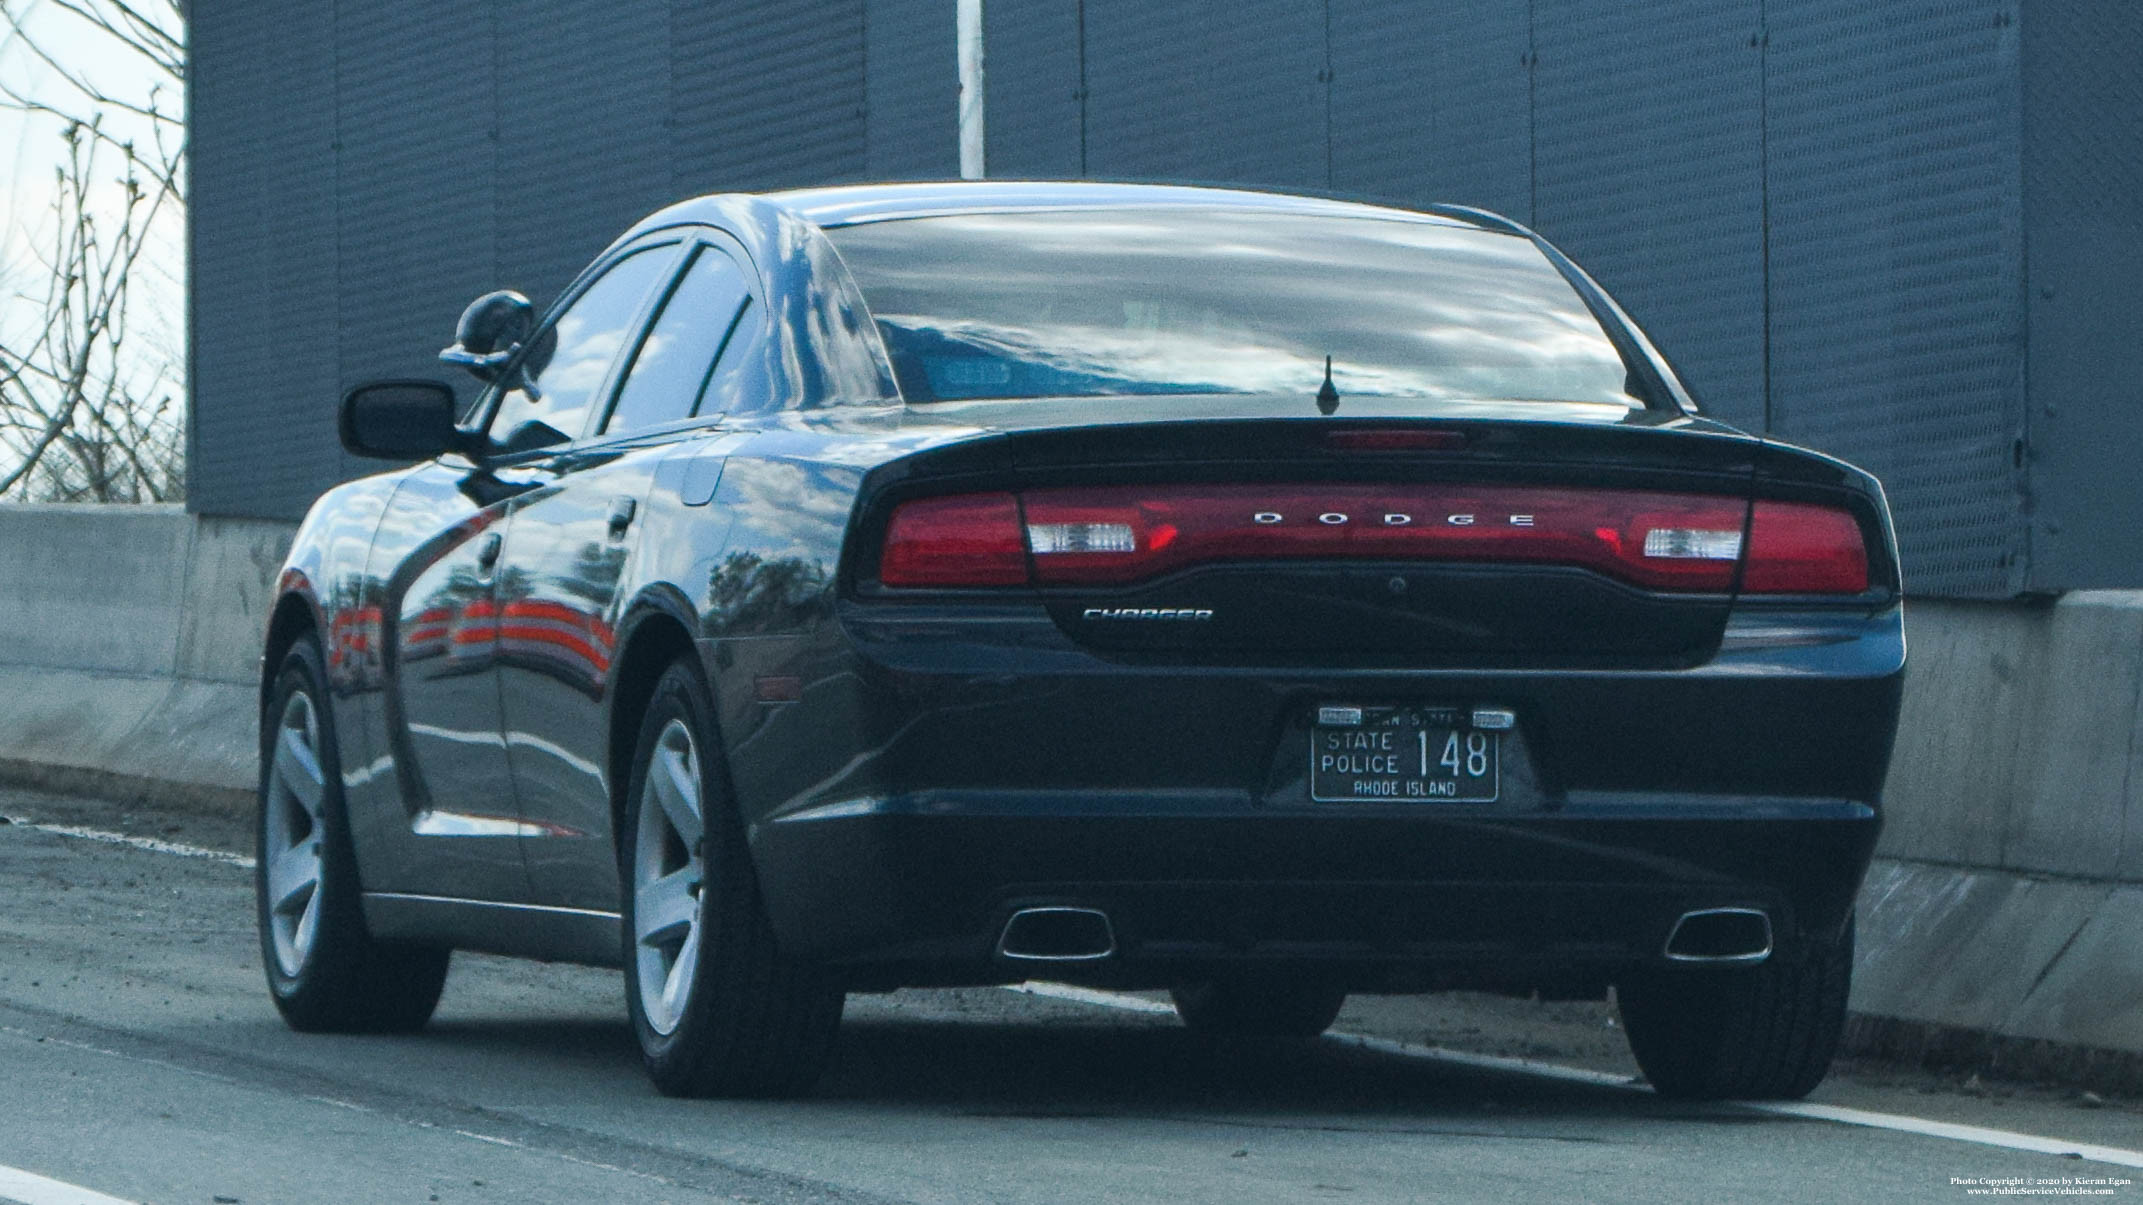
(128, 645)
(2019, 744)
(2003, 920)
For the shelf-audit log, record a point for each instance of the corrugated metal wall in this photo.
(414, 216)
(1185, 91)
(266, 315)
(1816, 206)
(2083, 205)
(1418, 113)
(1895, 289)
(1648, 168)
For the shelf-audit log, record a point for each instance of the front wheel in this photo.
(1256, 1007)
(1744, 1033)
(717, 1007)
(325, 971)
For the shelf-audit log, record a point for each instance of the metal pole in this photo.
(967, 30)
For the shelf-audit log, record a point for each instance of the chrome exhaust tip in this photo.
(1057, 934)
(1720, 936)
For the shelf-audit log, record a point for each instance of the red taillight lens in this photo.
(964, 540)
(1801, 548)
(1115, 535)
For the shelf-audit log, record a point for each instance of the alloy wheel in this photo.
(668, 878)
(297, 791)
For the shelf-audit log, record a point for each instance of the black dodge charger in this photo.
(1259, 597)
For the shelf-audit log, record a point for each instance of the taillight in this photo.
(963, 540)
(1116, 535)
(1802, 548)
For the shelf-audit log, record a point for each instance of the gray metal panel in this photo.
(1894, 269)
(1187, 90)
(261, 292)
(1649, 171)
(911, 90)
(767, 94)
(1430, 102)
(1031, 78)
(417, 220)
(2083, 223)
(578, 161)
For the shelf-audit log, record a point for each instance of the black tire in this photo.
(1765, 1032)
(744, 1020)
(325, 972)
(1258, 1007)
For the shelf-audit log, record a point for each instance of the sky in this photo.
(31, 148)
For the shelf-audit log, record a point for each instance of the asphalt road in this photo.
(140, 1059)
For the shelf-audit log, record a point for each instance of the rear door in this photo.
(568, 552)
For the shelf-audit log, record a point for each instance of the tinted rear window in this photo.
(1128, 301)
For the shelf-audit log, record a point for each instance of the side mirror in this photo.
(490, 330)
(399, 420)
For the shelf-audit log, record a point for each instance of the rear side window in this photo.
(556, 381)
(740, 381)
(1196, 301)
(669, 376)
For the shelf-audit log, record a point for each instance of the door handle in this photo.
(487, 552)
(622, 509)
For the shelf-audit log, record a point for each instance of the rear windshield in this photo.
(1131, 301)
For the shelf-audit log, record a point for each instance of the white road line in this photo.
(30, 1188)
(1943, 1129)
(149, 843)
(1979, 1135)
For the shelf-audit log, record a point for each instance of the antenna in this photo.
(1327, 397)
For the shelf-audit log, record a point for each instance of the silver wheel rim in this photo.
(667, 878)
(297, 791)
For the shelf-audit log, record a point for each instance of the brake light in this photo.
(963, 540)
(1801, 548)
(1404, 439)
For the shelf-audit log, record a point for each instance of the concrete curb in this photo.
(179, 741)
(1963, 968)
(124, 788)
(1951, 1050)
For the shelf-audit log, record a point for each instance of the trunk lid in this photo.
(1468, 535)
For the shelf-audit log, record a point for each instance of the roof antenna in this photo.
(1327, 397)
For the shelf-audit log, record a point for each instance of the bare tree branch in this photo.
(87, 413)
(132, 31)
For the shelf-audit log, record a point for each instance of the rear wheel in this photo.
(1258, 1007)
(718, 1009)
(1749, 1033)
(325, 971)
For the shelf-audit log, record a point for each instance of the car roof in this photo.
(846, 205)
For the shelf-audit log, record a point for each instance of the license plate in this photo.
(1402, 755)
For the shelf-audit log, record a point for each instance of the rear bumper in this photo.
(940, 773)
(917, 889)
